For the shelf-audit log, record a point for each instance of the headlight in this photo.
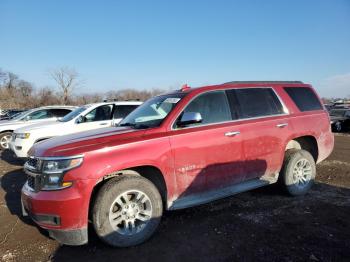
(22, 135)
(53, 171)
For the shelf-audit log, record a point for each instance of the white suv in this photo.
(84, 118)
(30, 117)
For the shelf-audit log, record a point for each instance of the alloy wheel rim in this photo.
(4, 141)
(302, 173)
(130, 212)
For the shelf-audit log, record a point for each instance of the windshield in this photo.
(152, 112)
(14, 115)
(337, 112)
(21, 115)
(73, 114)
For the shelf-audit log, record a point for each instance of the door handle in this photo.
(282, 125)
(234, 133)
(103, 124)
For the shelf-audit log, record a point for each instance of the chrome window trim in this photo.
(284, 107)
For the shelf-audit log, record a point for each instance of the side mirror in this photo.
(189, 118)
(27, 118)
(79, 120)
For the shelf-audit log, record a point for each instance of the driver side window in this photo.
(99, 114)
(213, 107)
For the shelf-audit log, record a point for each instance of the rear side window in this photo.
(255, 102)
(123, 110)
(212, 106)
(59, 112)
(304, 98)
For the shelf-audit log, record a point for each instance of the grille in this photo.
(31, 182)
(32, 168)
(34, 182)
(33, 163)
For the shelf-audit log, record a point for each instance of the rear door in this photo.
(263, 126)
(204, 156)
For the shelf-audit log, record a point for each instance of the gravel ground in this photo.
(260, 225)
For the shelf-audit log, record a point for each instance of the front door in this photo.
(97, 118)
(206, 156)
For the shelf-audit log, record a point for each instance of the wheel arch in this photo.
(307, 142)
(4, 131)
(149, 172)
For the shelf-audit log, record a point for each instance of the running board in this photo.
(203, 198)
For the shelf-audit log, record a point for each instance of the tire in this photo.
(338, 127)
(5, 138)
(298, 172)
(111, 212)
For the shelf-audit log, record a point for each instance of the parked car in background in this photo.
(29, 117)
(175, 151)
(340, 119)
(84, 118)
(328, 107)
(10, 113)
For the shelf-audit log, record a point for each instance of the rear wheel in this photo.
(5, 139)
(127, 211)
(298, 172)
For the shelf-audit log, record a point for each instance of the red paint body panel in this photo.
(191, 160)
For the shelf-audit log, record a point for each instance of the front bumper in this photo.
(20, 149)
(74, 237)
(64, 213)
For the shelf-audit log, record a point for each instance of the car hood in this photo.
(5, 123)
(79, 143)
(41, 126)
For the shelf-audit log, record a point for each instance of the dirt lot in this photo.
(261, 225)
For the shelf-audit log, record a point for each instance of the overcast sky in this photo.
(163, 44)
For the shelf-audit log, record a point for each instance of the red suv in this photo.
(177, 150)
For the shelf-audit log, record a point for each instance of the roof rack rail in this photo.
(117, 99)
(264, 82)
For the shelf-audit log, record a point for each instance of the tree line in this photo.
(19, 93)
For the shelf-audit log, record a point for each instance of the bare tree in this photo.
(67, 80)
(3, 76)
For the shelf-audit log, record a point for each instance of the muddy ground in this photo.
(261, 225)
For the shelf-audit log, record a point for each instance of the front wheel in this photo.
(298, 172)
(5, 139)
(127, 211)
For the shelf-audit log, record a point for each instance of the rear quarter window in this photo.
(122, 111)
(304, 98)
